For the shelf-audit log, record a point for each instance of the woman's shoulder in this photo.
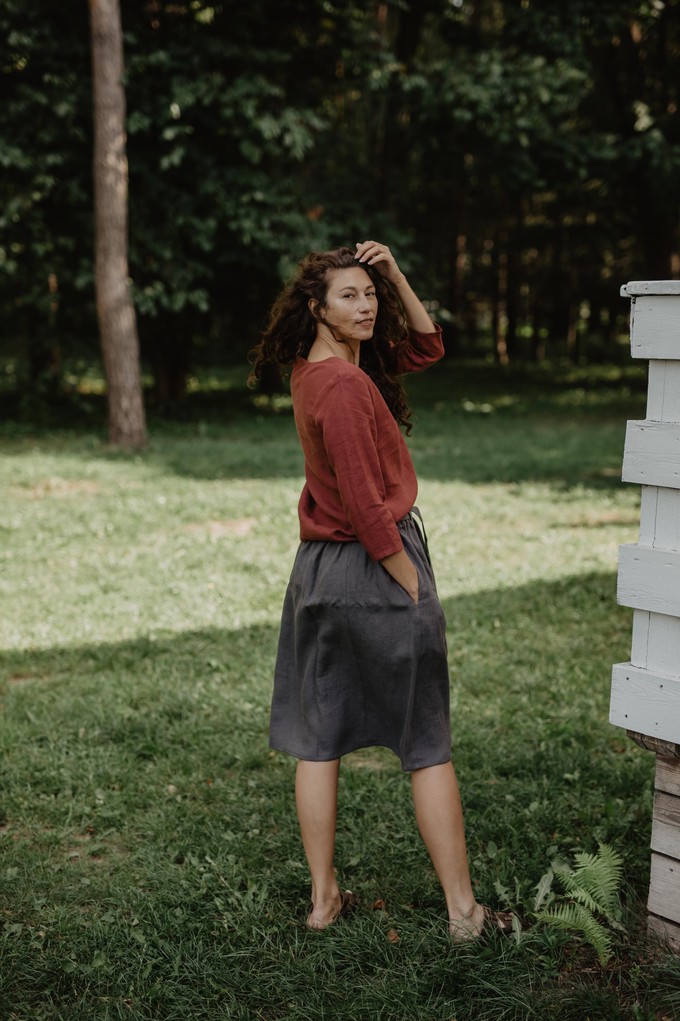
(328, 372)
(332, 364)
(328, 380)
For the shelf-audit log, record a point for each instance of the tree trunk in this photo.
(512, 296)
(115, 310)
(499, 264)
(44, 351)
(455, 299)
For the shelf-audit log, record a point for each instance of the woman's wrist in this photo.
(404, 572)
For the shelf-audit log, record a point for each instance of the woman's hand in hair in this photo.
(372, 253)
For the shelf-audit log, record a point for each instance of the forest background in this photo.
(521, 157)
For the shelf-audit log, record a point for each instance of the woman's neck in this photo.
(348, 351)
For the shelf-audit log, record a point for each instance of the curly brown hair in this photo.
(291, 329)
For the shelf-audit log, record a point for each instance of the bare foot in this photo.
(324, 913)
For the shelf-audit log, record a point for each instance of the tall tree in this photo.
(115, 309)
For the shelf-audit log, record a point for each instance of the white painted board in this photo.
(656, 643)
(655, 326)
(652, 454)
(635, 287)
(649, 579)
(645, 702)
(663, 391)
(660, 517)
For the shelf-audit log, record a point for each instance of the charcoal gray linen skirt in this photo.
(359, 663)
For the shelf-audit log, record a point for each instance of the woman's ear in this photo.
(312, 305)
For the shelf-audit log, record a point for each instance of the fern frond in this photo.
(577, 919)
(595, 880)
(582, 896)
(590, 889)
(600, 876)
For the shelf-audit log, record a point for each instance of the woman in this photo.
(362, 652)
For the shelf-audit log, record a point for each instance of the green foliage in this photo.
(591, 889)
(522, 159)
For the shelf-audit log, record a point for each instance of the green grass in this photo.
(150, 863)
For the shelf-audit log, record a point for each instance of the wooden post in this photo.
(645, 697)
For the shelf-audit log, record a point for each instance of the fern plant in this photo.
(590, 905)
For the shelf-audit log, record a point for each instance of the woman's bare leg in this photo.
(316, 793)
(439, 815)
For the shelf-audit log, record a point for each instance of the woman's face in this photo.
(351, 304)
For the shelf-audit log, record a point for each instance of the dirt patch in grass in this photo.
(25, 677)
(219, 529)
(604, 519)
(61, 488)
(369, 758)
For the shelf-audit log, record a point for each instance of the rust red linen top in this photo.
(359, 475)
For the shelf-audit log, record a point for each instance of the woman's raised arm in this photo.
(372, 253)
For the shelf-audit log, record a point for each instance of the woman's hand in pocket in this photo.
(404, 572)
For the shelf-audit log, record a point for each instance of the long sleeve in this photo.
(424, 350)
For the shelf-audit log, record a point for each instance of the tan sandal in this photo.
(500, 921)
(492, 920)
(348, 902)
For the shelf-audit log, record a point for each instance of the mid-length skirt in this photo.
(359, 662)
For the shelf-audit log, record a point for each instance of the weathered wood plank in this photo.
(651, 456)
(666, 808)
(667, 777)
(664, 888)
(669, 749)
(666, 824)
(649, 579)
(655, 326)
(665, 839)
(666, 931)
(656, 643)
(645, 702)
(663, 391)
(636, 287)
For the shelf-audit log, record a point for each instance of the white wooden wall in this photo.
(645, 697)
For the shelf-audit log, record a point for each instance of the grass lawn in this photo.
(150, 863)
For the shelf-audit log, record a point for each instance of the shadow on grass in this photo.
(472, 423)
(530, 669)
